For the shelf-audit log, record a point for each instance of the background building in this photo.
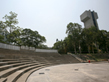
(90, 19)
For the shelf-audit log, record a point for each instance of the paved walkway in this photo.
(80, 72)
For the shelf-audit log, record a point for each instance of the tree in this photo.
(31, 38)
(12, 34)
(65, 44)
(15, 36)
(59, 45)
(11, 21)
(107, 42)
(74, 30)
(87, 35)
(3, 32)
(56, 40)
(88, 40)
(42, 46)
(104, 40)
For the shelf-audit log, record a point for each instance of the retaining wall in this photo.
(28, 48)
(7, 46)
(46, 50)
(12, 47)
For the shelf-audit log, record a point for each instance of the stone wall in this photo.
(7, 46)
(46, 50)
(12, 47)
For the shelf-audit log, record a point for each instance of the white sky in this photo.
(50, 17)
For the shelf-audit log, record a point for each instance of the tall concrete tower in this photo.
(90, 19)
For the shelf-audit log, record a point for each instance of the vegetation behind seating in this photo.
(10, 33)
(83, 40)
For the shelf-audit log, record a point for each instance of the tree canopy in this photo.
(83, 40)
(12, 34)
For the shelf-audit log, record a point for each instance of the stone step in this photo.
(3, 63)
(3, 60)
(3, 79)
(13, 77)
(12, 62)
(24, 77)
(4, 67)
(9, 62)
(7, 72)
(25, 60)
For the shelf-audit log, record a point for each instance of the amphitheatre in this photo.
(54, 41)
(26, 65)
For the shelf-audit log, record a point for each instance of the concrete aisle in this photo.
(80, 72)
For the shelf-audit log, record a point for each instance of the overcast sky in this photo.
(50, 17)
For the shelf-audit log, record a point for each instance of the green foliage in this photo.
(42, 46)
(74, 31)
(79, 40)
(12, 34)
(1, 38)
(60, 46)
(31, 38)
(14, 37)
(11, 21)
(3, 32)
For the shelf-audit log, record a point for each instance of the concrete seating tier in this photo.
(7, 60)
(6, 72)
(12, 74)
(4, 67)
(3, 80)
(13, 77)
(16, 66)
(24, 73)
(24, 77)
(10, 62)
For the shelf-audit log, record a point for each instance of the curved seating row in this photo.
(17, 66)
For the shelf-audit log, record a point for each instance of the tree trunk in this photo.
(107, 48)
(65, 50)
(75, 49)
(97, 46)
(88, 48)
(92, 49)
(79, 48)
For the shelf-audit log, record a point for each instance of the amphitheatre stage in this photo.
(80, 72)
